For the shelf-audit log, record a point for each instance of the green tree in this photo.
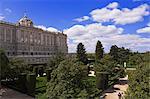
(68, 81)
(81, 53)
(139, 78)
(17, 66)
(114, 52)
(55, 61)
(99, 52)
(107, 64)
(139, 82)
(120, 55)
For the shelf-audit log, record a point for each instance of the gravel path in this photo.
(12, 94)
(117, 88)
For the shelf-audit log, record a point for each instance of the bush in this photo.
(48, 74)
(31, 84)
(22, 82)
(102, 80)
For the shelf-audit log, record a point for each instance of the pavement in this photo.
(112, 93)
(7, 93)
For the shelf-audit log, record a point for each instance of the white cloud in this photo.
(108, 35)
(113, 5)
(148, 24)
(51, 29)
(120, 16)
(145, 29)
(84, 18)
(8, 10)
(2, 17)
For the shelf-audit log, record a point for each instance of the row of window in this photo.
(29, 53)
(37, 60)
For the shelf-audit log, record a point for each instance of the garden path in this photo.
(12, 94)
(112, 93)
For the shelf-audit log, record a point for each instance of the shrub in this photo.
(22, 82)
(48, 74)
(31, 84)
(102, 80)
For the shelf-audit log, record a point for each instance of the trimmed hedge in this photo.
(102, 80)
(35, 70)
(22, 82)
(48, 74)
(31, 84)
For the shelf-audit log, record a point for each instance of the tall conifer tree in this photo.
(99, 52)
(81, 53)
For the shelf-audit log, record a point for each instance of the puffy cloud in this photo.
(148, 24)
(84, 18)
(108, 35)
(51, 29)
(145, 29)
(113, 5)
(120, 16)
(2, 17)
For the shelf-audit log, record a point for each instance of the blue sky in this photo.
(124, 19)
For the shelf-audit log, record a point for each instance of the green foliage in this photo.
(40, 87)
(35, 70)
(102, 80)
(139, 82)
(48, 74)
(22, 80)
(4, 66)
(120, 55)
(31, 84)
(99, 51)
(55, 61)
(107, 64)
(69, 80)
(17, 66)
(91, 56)
(137, 58)
(81, 53)
(139, 78)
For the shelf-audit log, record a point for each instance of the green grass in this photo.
(40, 87)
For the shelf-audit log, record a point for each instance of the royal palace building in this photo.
(33, 45)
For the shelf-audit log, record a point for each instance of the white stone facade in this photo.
(29, 43)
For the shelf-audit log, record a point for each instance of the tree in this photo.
(17, 66)
(107, 64)
(68, 81)
(99, 51)
(139, 82)
(120, 55)
(81, 53)
(55, 61)
(114, 52)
